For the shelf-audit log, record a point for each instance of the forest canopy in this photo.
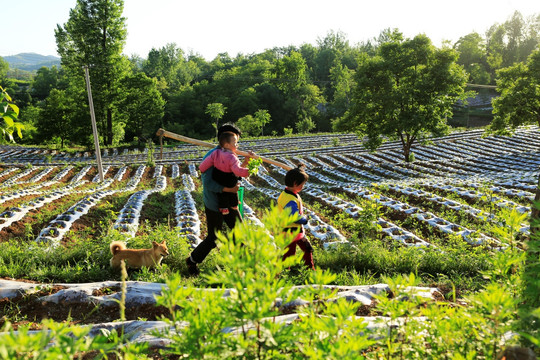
(299, 89)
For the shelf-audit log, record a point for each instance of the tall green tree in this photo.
(141, 109)
(281, 109)
(248, 125)
(216, 112)
(291, 73)
(512, 42)
(342, 83)
(46, 79)
(164, 64)
(472, 56)
(310, 98)
(244, 103)
(330, 52)
(262, 117)
(54, 120)
(292, 78)
(94, 36)
(30, 118)
(519, 102)
(405, 92)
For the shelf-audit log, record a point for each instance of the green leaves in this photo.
(253, 166)
(81, 42)
(9, 112)
(55, 341)
(519, 102)
(244, 319)
(216, 111)
(406, 91)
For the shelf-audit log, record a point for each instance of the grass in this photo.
(88, 261)
(85, 257)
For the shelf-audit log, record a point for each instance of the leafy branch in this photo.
(9, 112)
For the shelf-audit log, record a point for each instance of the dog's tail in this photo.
(116, 246)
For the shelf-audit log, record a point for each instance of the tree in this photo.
(216, 112)
(4, 67)
(46, 79)
(163, 63)
(55, 119)
(248, 125)
(94, 36)
(342, 82)
(519, 104)
(254, 124)
(305, 125)
(495, 47)
(406, 91)
(244, 103)
(283, 111)
(262, 117)
(310, 99)
(30, 118)
(329, 54)
(291, 73)
(141, 107)
(472, 56)
(512, 42)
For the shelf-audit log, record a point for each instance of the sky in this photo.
(210, 27)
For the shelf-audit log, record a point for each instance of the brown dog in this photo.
(137, 258)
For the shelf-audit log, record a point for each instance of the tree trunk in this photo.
(406, 152)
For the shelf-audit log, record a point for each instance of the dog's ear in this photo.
(154, 244)
(163, 243)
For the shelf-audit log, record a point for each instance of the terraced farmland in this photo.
(453, 191)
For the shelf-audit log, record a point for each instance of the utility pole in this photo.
(94, 126)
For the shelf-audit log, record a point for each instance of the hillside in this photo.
(31, 61)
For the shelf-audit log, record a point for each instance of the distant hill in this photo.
(31, 61)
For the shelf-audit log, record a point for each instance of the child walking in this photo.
(289, 199)
(227, 170)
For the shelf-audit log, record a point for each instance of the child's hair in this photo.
(226, 138)
(296, 176)
(228, 128)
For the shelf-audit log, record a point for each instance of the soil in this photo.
(28, 311)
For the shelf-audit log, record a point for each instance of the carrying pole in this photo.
(162, 132)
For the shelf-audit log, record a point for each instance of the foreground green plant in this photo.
(9, 113)
(255, 312)
(242, 319)
(474, 328)
(507, 232)
(54, 341)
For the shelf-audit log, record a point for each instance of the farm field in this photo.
(453, 197)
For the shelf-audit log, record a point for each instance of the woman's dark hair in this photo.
(296, 176)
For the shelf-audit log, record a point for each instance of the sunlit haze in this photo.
(210, 27)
